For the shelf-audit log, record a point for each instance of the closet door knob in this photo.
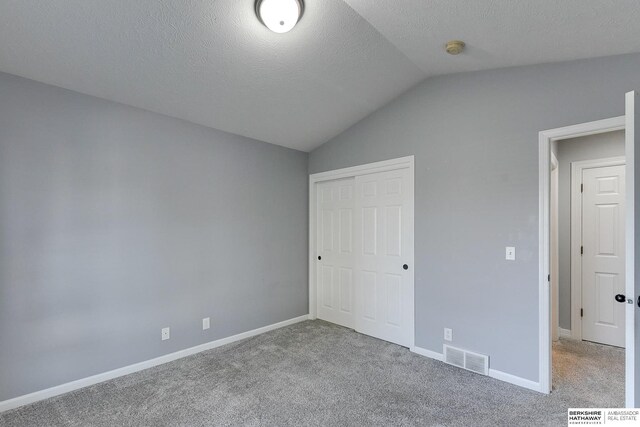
(319, 257)
(406, 267)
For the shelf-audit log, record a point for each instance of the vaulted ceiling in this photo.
(212, 62)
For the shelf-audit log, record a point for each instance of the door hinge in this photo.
(548, 277)
(581, 313)
(582, 188)
(581, 250)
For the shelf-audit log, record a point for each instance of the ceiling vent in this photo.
(478, 363)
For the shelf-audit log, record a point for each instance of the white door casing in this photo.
(383, 241)
(603, 254)
(555, 276)
(335, 205)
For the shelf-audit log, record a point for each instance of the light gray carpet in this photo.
(316, 373)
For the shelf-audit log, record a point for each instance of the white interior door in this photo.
(384, 255)
(603, 259)
(632, 358)
(335, 251)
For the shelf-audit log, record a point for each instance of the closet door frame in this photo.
(383, 166)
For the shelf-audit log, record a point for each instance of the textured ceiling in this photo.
(504, 33)
(211, 62)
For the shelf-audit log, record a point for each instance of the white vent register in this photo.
(478, 363)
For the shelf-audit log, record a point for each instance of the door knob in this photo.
(405, 266)
(319, 257)
(621, 298)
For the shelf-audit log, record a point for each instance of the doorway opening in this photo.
(587, 260)
(549, 296)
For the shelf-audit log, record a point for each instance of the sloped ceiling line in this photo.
(213, 63)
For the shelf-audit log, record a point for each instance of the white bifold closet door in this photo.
(384, 255)
(335, 227)
(364, 243)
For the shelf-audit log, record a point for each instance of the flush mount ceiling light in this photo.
(279, 16)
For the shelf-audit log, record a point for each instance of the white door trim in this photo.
(383, 166)
(545, 138)
(576, 235)
(554, 251)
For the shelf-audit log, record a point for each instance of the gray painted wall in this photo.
(116, 222)
(475, 138)
(592, 147)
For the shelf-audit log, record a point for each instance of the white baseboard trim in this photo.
(512, 379)
(493, 373)
(95, 379)
(427, 353)
(565, 333)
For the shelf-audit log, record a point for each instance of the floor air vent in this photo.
(478, 363)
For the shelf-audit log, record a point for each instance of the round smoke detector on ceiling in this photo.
(280, 16)
(454, 47)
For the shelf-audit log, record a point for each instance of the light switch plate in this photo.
(510, 253)
(206, 323)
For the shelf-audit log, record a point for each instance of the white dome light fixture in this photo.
(280, 16)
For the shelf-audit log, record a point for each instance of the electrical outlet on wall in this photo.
(166, 334)
(448, 334)
(206, 323)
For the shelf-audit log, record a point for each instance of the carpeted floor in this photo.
(316, 373)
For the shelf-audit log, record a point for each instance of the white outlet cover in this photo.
(166, 334)
(206, 323)
(510, 253)
(448, 334)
